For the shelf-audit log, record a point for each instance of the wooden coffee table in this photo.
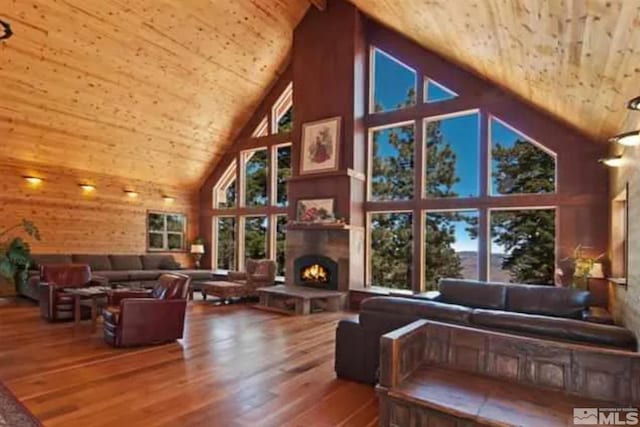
(299, 300)
(93, 297)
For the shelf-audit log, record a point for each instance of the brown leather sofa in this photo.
(525, 310)
(139, 318)
(145, 269)
(55, 303)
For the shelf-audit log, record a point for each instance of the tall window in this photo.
(523, 246)
(283, 172)
(281, 235)
(464, 230)
(393, 83)
(391, 262)
(225, 193)
(451, 246)
(282, 111)
(250, 214)
(255, 177)
(255, 237)
(452, 151)
(226, 243)
(519, 166)
(392, 155)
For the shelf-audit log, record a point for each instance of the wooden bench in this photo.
(440, 374)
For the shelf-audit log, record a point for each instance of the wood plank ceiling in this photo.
(154, 90)
(143, 89)
(577, 59)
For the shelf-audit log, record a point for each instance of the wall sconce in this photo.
(628, 139)
(87, 188)
(612, 162)
(131, 194)
(33, 180)
(634, 104)
(168, 199)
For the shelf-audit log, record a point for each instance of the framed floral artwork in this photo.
(316, 210)
(320, 146)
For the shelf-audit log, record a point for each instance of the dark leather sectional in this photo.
(111, 268)
(526, 310)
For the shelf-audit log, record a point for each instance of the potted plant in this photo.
(15, 252)
(582, 265)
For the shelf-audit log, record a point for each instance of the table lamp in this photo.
(197, 250)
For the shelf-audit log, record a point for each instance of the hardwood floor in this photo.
(237, 366)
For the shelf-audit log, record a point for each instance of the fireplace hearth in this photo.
(316, 271)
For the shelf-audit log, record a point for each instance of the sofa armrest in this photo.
(401, 352)
(597, 315)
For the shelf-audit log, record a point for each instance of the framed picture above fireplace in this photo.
(320, 146)
(316, 210)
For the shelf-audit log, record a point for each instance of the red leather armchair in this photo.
(139, 318)
(55, 304)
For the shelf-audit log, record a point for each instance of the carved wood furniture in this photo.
(140, 317)
(434, 373)
(299, 299)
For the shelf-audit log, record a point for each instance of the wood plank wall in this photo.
(102, 222)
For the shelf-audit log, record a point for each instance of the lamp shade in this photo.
(596, 271)
(197, 249)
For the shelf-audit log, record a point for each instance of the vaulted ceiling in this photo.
(155, 89)
(577, 59)
(144, 89)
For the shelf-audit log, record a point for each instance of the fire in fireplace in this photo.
(316, 271)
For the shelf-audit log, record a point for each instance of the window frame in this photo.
(165, 232)
(225, 180)
(369, 162)
(530, 140)
(371, 105)
(280, 107)
(423, 148)
(273, 196)
(368, 241)
(215, 249)
(489, 242)
(423, 236)
(420, 114)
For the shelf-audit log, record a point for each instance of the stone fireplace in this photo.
(325, 257)
(316, 271)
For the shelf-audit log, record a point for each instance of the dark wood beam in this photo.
(320, 4)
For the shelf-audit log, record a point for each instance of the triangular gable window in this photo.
(435, 92)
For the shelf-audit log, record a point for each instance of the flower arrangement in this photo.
(582, 265)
